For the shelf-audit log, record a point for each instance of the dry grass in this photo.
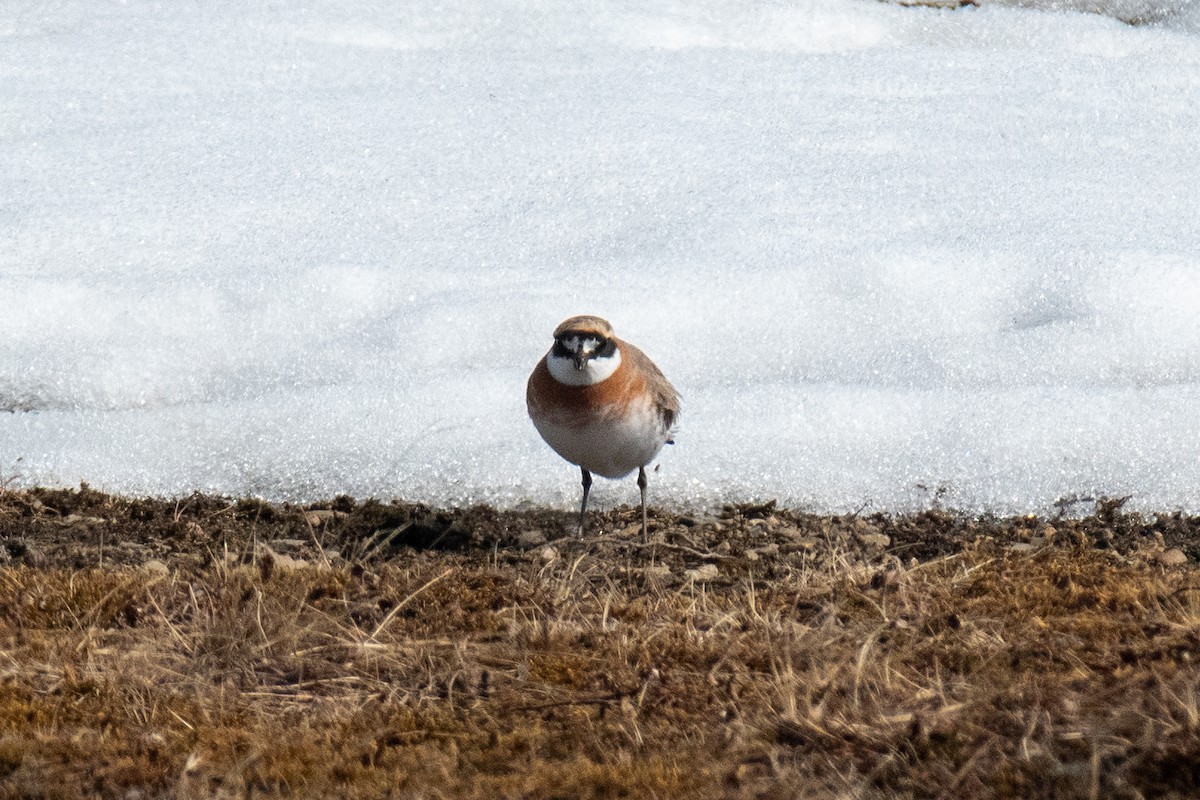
(221, 649)
(1145, 13)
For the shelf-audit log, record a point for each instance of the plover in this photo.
(601, 404)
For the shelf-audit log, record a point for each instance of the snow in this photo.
(891, 257)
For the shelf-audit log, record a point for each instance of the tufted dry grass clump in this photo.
(216, 648)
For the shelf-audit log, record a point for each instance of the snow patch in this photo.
(889, 256)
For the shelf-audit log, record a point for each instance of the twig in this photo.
(396, 609)
(585, 701)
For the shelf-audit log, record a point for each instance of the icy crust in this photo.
(886, 254)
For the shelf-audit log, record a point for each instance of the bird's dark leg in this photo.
(642, 486)
(587, 485)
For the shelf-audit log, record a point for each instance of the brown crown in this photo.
(585, 325)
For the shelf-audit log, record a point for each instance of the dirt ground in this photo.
(218, 648)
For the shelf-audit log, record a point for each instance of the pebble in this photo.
(531, 539)
(660, 571)
(71, 520)
(797, 534)
(634, 531)
(322, 516)
(282, 562)
(804, 545)
(703, 573)
(1173, 557)
(876, 541)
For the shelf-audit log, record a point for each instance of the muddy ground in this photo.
(218, 648)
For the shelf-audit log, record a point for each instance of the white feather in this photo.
(595, 370)
(611, 448)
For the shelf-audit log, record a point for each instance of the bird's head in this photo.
(588, 345)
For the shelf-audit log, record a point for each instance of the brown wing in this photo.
(665, 396)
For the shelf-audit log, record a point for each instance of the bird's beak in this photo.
(581, 359)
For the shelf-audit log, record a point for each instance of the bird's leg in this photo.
(642, 487)
(587, 485)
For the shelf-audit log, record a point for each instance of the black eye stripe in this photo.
(606, 348)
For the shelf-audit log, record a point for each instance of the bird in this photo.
(601, 404)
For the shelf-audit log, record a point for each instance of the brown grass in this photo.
(232, 649)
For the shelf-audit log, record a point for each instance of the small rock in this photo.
(631, 531)
(288, 562)
(282, 562)
(805, 545)
(658, 571)
(531, 539)
(875, 541)
(790, 532)
(1021, 547)
(1172, 558)
(73, 520)
(156, 567)
(322, 516)
(548, 554)
(702, 573)
(766, 551)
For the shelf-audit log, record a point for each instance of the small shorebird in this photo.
(601, 404)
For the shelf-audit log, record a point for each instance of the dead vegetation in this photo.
(211, 648)
(1131, 12)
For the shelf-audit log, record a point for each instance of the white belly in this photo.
(611, 448)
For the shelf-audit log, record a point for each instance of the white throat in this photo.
(597, 369)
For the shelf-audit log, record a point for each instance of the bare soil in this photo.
(220, 648)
